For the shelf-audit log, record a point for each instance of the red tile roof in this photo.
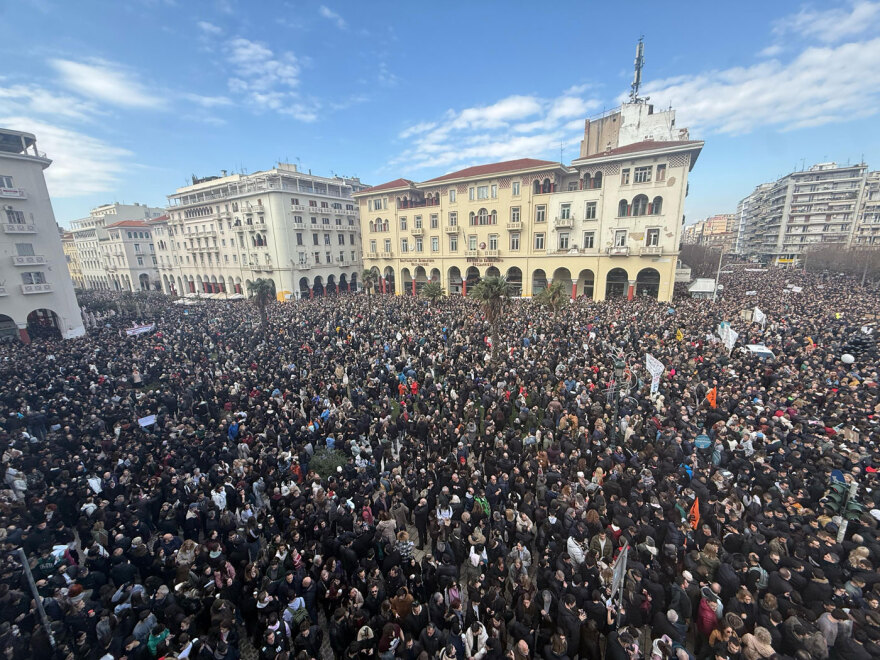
(161, 218)
(494, 168)
(646, 145)
(390, 185)
(140, 224)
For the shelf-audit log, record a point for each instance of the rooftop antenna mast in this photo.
(637, 77)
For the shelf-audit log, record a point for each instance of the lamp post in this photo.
(718, 273)
(619, 370)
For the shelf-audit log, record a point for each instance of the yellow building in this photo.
(607, 225)
(71, 256)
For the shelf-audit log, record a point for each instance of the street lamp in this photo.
(718, 274)
(619, 370)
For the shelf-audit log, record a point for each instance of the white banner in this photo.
(654, 366)
(797, 289)
(751, 293)
(140, 329)
(655, 383)
(758, 316)
(730, 338)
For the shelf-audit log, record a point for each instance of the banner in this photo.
(758, 316)
(712, 397)
(694, 516)
(656, 369)
(655, 384)
(146, 421)
(751, 293)
(619, 571)
(679, 335)
(140, 329)
(730, 338)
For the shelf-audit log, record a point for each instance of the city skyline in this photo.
(132, 101)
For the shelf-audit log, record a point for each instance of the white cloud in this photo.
(35, 100)
(258, 69)
(331, 15)
(820, 86)
(207, 101)
(832, 25)
(771, 51)
(81, 164)
(107, 82)
(513, 127)
(209, 28)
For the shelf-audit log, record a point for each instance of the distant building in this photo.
(867, 229)
(72, 257)
(818, 207)
(715, 231)
(36, 292)
(99, 256)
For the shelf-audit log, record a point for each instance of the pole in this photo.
(865, 269)
(37, 598)
(718, 274)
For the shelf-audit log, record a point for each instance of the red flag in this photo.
(694, 515)
(712, 397)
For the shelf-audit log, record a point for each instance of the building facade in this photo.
(819, 207)
(298, 230)
(36, 292)
(717, 231)
(92, 244)
(129, 256)
(72, 257)
(867, 229)
(607, 225)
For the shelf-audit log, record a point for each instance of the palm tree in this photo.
(492, 293)
(369, 278)
(263, 291)
(433, 291)
(554, 297)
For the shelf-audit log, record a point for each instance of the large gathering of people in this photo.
(365, 477)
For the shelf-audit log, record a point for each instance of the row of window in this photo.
(644, 174)
(294, 201)
(639, 206)
(563, 241)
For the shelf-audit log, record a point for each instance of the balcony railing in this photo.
(564, 223)
(451, 229)
(28, 289)
(514, 226)
(651, 250)
(418, 231)
(31, 260)
(13, 193)
(418, 204)
(471, 253)
(388, 254)
(618, 251)
(491, 253)
(16, 228)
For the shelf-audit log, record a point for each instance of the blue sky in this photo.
(131, 98)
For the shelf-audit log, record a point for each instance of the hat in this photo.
(476, 538)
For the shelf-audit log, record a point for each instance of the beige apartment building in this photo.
(72, 258)
(606, 225)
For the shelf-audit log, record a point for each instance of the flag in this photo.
(712, 397)
(694, 515)
(679, 335)
(758, 316)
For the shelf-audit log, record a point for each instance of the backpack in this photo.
(762, 581)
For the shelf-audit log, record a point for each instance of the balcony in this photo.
(388, 254)
(16, 228)
(418, 231)
(451, 229)
(651, 251)
(618, 251)
(3, 291)
(371, 255)
(32, 260)
(28, 289)
(491, 253)
(417, 204)
(348, 212)
(13, 193)
(564, 223)
(471, 253)
(514, 226)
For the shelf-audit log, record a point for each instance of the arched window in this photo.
(640, 205)
(597, 180)
(372, 226)
(483, 217)
(546, 186)
(622, 208)
(493, 217)
(587, 183)
(537, 186)
(657, 206)
(473, 219)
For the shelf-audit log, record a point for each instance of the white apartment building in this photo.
(867, 230)
(36, 293)
(96, 252)
(129, 256)
(300, 231)
(817, 207)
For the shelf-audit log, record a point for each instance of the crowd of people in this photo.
(360, 478)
